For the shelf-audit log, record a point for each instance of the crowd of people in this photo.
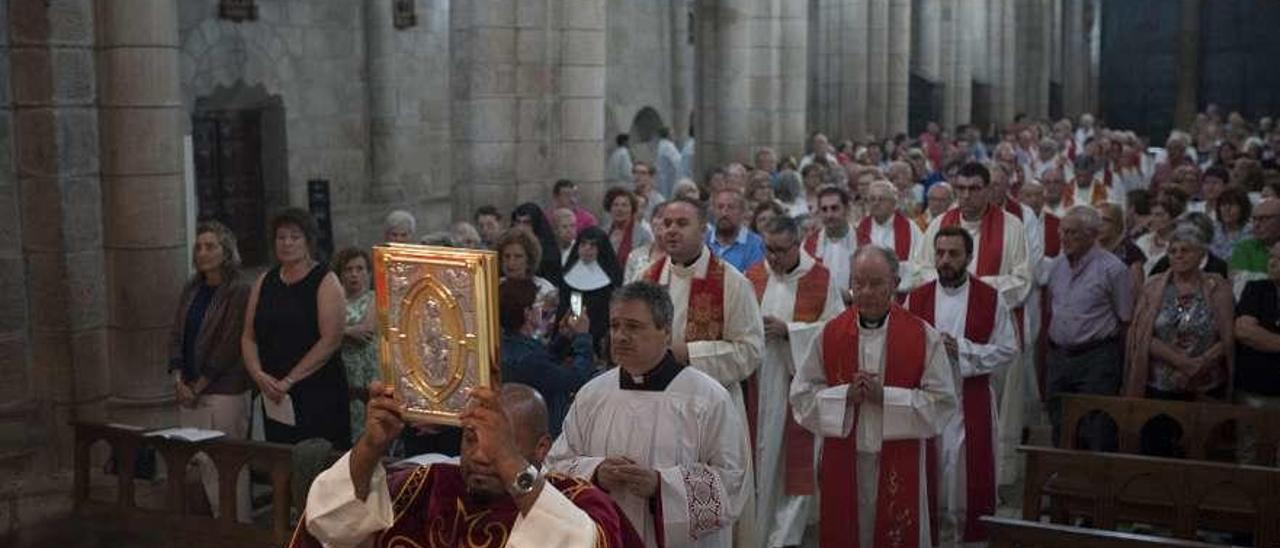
(842, 347)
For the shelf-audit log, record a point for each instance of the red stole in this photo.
(705, 321)
(811, 299)
(1014, 207)
(432, 510)
(990, 242)
(898, 496)
(624, 247)
(811, 244)
(980, 462)
(1097, 194)
(901, 234)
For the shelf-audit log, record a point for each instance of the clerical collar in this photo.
(867, 323)
(656, 380)
(690, 263)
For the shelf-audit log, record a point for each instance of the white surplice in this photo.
(883, 235)
(690, 433)
(781, 518)
(837, 255)
(950, 312)
(907, 413)
(1014, 279)
(730, 360)
(337, 519)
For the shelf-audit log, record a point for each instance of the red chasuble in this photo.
(898, 495)
(811, 298)
(980, 463)
(990, 242)
(901, 234)
(432, 510)
(705, 321)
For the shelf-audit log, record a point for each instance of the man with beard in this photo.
(796, 298)
(835, 243)
(663, 439)
(874, 413)
(978, 334)
(730, 239)
(499, 496)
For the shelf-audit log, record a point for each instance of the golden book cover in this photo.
(437, 326)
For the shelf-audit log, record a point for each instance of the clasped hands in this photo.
(623, 475)
(865, 387)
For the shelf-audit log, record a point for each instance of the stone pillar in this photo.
(1075, 59)
(793, 75)
(877, 111)
(899, 66)
(19, 407)
(55, 128)
(681, 86)
(143, 217)
(857, 65)
(927, 39)
(1185, 105)
(528, 100)
(380, 60)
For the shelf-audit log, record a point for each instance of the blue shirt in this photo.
(527, 361)
(743, 252)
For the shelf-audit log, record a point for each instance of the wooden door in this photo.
(229, 182)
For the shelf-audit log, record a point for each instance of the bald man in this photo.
(499, 487)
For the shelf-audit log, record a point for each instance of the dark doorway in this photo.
(924, 104)
(238, 137)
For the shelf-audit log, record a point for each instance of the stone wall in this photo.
(650, 64)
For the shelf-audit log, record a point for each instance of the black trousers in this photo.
(1096, 371)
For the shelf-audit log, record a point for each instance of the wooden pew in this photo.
(1181, 495)
(229, 456)
(1198, 420)
(1016, 533)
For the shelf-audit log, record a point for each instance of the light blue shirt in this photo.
(743, 252)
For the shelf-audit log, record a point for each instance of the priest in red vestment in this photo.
(887, 227)
(875, 386)
(498, 496)
(978, 334)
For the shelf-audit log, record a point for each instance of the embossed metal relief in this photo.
(438, 326)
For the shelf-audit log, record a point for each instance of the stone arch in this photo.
(645, 125)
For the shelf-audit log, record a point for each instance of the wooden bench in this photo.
(1199, 422)
(1178, 494)
(228, 456)
(1016, 533)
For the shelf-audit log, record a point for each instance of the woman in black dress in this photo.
(292, 331)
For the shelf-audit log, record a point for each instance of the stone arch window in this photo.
(645, 125)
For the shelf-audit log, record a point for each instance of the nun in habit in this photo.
(593, 271)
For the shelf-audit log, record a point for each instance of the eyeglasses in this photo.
(967, 188)
(778, 250)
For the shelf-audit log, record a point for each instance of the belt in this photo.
(1082, 348)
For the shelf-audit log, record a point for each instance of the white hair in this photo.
(1087, 215)
(401, 219)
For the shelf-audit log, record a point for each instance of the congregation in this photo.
(842, 347)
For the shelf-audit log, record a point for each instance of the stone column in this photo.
(528, 99)
(141, 118)
(793, 75)
(55, 128)
(380, 60)
(19, 407)
(927, 40)
(899, 66)
(1075, 59)
(877, 110)
(681, 87)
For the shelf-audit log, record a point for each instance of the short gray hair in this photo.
(1190, 234)
(1087, 215)
(885, 253)
(652, 294)
(400, 219)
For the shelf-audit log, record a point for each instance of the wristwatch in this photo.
(525, 481)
